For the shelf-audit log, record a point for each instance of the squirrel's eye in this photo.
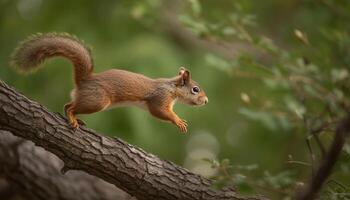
(195, 90)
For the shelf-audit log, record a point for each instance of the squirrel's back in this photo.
(34, 50)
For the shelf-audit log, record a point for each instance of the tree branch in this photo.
(34, 173)
(131, 169)
(323, 172)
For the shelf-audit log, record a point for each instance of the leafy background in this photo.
(276, 73)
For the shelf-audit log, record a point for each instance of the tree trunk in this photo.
(33, 173)
(131, 169)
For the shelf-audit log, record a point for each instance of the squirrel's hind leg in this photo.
(80, 122)
(69, 112)
(85, 104)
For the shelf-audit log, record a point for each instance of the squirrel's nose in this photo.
(206, 100)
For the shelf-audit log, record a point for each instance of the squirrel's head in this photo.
(189, 91)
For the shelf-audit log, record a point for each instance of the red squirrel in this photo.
(95, 92)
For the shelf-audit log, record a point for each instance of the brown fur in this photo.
(96, 92)
(37, 48)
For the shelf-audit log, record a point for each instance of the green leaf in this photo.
(138, 11)
(284, 123)
(311, 91)
(239, 178)
(276, 83)
(265, 118)
(295, 107)
(266, 44)
(248, 20)
(218, 63)
(197, 27)
(196, 7)
(339, 74)
(338, 93)
(214, 163)
(301, 36)
(228, 30)
(225, 163)
(346, 149)
(251, 167)
(280, 180)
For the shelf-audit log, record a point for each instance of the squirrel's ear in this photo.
(185, 76)
(182, 70)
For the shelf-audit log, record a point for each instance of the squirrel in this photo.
(95, 92)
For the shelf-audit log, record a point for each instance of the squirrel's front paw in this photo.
(182, 125)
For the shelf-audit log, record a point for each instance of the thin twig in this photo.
(299, 162)
(311, 190)
(312, 155)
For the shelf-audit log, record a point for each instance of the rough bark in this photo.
(31, 172)
(131, 169)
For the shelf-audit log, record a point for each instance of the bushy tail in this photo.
(37, 48)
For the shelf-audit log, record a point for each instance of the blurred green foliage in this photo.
(276, 74)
